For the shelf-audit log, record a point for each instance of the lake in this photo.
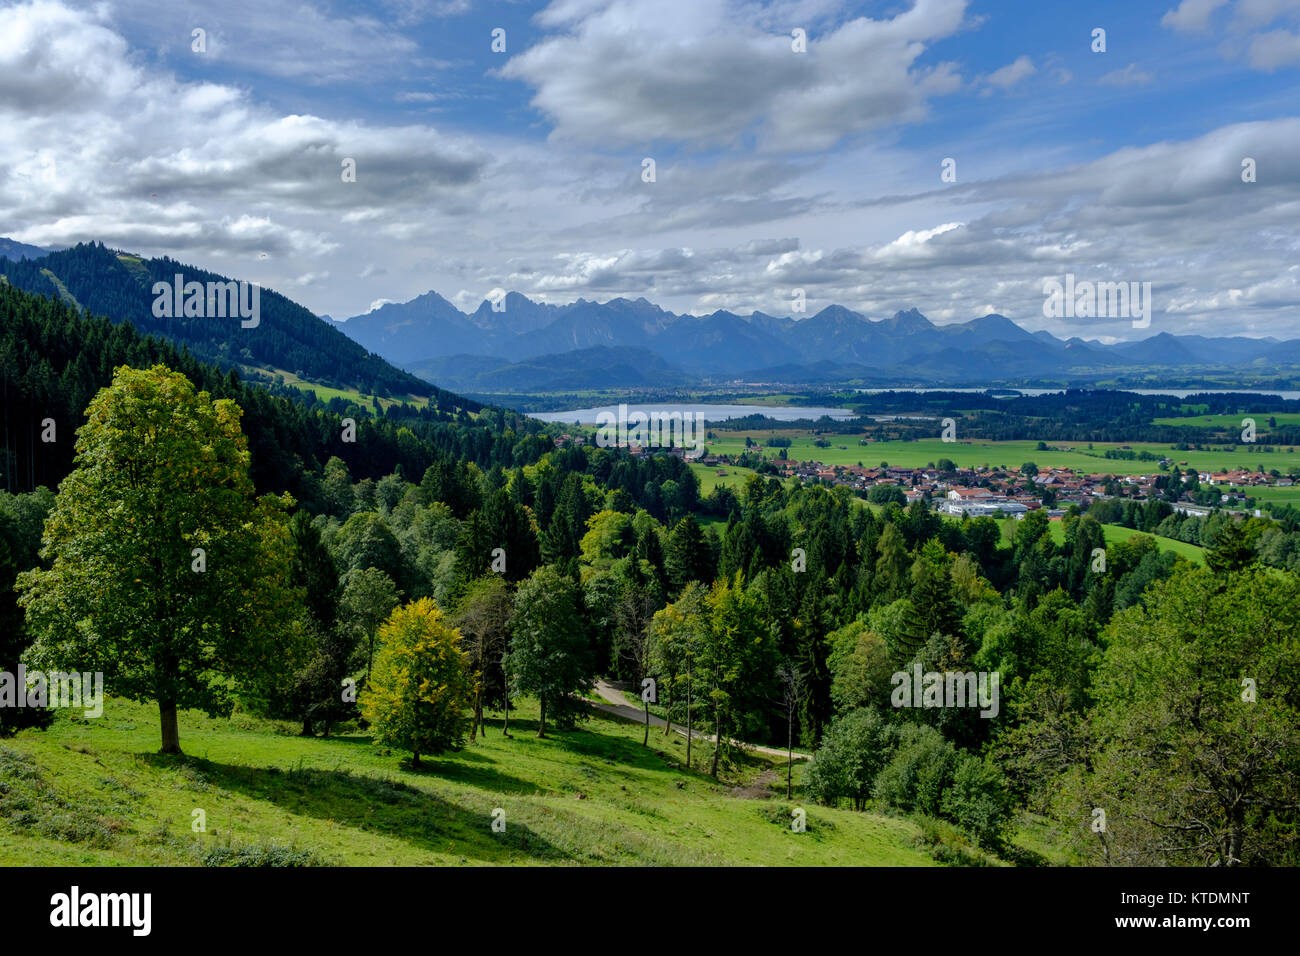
(1035, 392)
(711, 412)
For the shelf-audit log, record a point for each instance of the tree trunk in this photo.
(505, 678)
(541, 722)
(307, 730)
(645, 739)
(171, 732)
(326, 731)
(789, 751)
(415, 758)
(1236, 837)
(690, 732)
(717, 741)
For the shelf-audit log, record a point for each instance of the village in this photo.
(1012, 491)
(990, 490)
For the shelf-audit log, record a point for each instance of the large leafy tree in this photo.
(421, 689)
(737, 662)
(677, 633)
(483, 618)
(1197, 726)
(317, 695)
(369, 596)
(166, 572)
(550, 656)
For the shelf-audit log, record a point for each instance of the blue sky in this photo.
(776, 170)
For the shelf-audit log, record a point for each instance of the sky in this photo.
(796, 145)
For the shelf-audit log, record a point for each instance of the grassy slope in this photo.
(327, 392)
(1112, 533)
(107, 798)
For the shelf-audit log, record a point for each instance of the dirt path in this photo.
(616, 704)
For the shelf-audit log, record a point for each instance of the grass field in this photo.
(1115, 533)
(1233, 422)
(709, 478)
(1111, 532)
(325, 392)
(95, 792)
(845, 450)
(1290, 496)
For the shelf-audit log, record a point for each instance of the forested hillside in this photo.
(53, 359)
(288, 337)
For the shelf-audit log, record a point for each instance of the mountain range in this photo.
(426, 345)
(534, 347)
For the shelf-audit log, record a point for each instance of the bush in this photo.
(922, 765)
(977, 800)
(929, 775)
(852, 753)
(261, 854)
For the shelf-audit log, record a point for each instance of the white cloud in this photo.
(1128, 76)
(703, 72)
(142, 160)
(1008, 76)
(1190, 15)
(1268, 51)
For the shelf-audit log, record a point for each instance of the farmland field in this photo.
(974, 453)
(1234, 421)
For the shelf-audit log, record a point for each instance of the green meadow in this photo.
(96, 792)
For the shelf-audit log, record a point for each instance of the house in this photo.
(969, 494)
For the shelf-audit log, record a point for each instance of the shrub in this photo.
(852, 753)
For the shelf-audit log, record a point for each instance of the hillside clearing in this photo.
(94, 792)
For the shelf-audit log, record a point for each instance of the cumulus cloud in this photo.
(143, 160)
(704, 73)
(1257, 30)
(1174, 213)
(1191, 15)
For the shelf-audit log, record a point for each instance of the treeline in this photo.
(1074, 415)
